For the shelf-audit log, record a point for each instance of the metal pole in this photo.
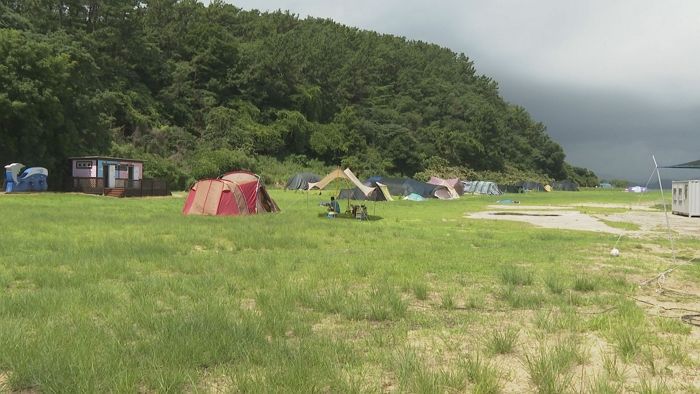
(668, 222)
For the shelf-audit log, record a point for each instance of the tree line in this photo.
(196, 90)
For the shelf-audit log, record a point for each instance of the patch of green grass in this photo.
(415, 376)
(502, 341)
(519, 298)
(628, 341)
(672, 326)
(126, 295)
(420, 290)
(475, 301)
(614, 371)
(585, 283)
(647, 386)
(482, 375)
(627, 226)
(447, 301)
(556, 320)
(549, 367)
(603, 385)
(677, 352)
(513, 275)
(554, 283)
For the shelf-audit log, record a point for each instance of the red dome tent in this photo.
(235, 193)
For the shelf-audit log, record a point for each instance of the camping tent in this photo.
(19, 178)
(341, 174)
(257, 198)
(454, 183)
(215, 197)
(449, 192)
(380, 193)
(520, 187)
(236, 193)
(414, 197)
(406, 186)
(301, 181)
(481, 187)
(605, 185)
(565, 185)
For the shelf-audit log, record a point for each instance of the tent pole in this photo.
(663, 200)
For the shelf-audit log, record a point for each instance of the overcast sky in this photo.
(613, 81)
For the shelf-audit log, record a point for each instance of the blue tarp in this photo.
(414, 197)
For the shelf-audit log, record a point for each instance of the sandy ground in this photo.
(566, 220)
(650, 222)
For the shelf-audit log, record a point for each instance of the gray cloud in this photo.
(614, 81)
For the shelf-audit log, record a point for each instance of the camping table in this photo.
(359, 212)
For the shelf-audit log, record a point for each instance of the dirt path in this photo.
(565, 220)
(566, 217)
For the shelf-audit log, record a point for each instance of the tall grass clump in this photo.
(447, 301)
(482, 375)
(520, 299)
(554, 284)
(420, 290)
(628, 341)
(556, 320)
(603, 385)
(585, 283)
(549, 367)
(415, 376)
(502, 341)
(515, 276)
(649, 387)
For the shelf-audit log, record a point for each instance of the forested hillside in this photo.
(196, 90)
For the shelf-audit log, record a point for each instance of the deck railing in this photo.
(132, 188)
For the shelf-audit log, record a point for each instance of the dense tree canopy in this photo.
(191, 88)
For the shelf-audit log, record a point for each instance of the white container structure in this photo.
(686, 198)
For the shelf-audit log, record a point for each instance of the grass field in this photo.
(100, 294)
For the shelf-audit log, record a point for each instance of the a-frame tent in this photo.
(346, 174)
(341, 174)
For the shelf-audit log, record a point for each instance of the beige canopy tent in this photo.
(344, 174)
(341, 174)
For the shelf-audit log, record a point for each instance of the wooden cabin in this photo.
(113, 176)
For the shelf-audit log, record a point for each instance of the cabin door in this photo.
(110, 175)
(130, 176)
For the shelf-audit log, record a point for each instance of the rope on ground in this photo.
(661, 277)
(665, 307)
(678, 293)
(612, 308)
(693, 320)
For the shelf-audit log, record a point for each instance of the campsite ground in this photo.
(101, 294)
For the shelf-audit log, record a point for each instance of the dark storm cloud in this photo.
(612, 133)
(613, 81)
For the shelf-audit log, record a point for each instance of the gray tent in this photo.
(566, 185)
(481, 187)
(356, 194)
(521, 187)
(404, 186)
(301, 181)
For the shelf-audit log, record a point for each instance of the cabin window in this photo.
(83, 164)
